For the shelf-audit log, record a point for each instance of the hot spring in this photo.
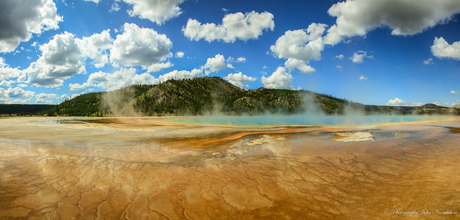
(302, 120)
(214, 167)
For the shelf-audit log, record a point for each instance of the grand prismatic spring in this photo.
(229, 168)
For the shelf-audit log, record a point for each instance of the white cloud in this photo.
(6, 94)
(436, 103)
(118, 79)
(454, 92)
(22, 85)
(359, 56)
(230, 66)
(179, 54)
(234, 26)
(64, 56)
(442, 49)
(76, 86)
(400, 102)
(280, 79)
(139, 46)
(292, 63)
(7, 72)
(182, 74)
(158, 67)
(403, 17)
(95, 47)
(241, 59)
(6, 83)
(45, 96)
(214, 64)
(95, 1)
(427, 62)
(301, 45)
(339, 68)
(237, 79)
(265, 67)
(74, 96)
(456, 103)
(363, 78)
(61, 59)
(114, 7)
(157, 11)
(340, 56)
(19, 19)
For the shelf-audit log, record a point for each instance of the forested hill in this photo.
(22, 108)
(199, 96)
(195, 96)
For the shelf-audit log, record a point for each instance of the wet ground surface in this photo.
(68, 168)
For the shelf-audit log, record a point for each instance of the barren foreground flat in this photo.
(80, 168)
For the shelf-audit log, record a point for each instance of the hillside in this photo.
(195, 96)
(199, 96)
(22, 109)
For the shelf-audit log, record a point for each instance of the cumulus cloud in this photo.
(112, 81)
(400, 102)
(454, 92)
(157, 11)
(45, 96)
(300, 44)
(234, 26)
(358, 56)
(76, 86)
(214, 64)
(63, 96)
(19, 19)
(280, 79)
(6, 83)
(442, 49)
(363, 78)
(139, 46)
(403, 17)
(179, 54)
(292, 63)
(61, 58)
(7, 72)
(158, 67)
(241, 59)
(230, 66)
(340, 56)
(237, 79)
(114, 7)
(65, 55)
(14, 93)
(427, 62)
(181, 74)
(95, 47)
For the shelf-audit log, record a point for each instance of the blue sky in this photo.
(370, 51)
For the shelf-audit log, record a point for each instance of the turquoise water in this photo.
(300, 120)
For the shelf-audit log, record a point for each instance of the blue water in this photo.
(320, 120)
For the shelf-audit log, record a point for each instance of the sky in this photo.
(379, 52)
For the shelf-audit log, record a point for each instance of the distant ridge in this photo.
(199, 96)
(22, 108)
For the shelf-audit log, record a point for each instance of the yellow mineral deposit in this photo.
(67, 168)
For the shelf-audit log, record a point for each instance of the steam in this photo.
(353, 114)
(313, 111)
(120, 103)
